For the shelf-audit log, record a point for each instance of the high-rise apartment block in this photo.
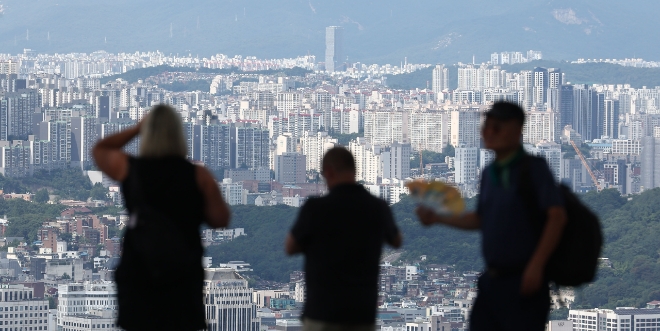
(465, 162)
(384, 127)
(440, 80)
(429, 130)
(465, 125)
(367, 160)
(540, 125)
(314, 147)
(396, 160)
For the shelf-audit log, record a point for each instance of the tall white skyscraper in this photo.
(334, 48)
(440, 79)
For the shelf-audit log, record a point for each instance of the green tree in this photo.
(41, 196)
(98, 192)
(66, 276)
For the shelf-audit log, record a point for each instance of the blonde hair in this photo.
(161, 134)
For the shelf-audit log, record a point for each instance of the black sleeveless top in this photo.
(173, 300)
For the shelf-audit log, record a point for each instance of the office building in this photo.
(620, 319)
(566, 105)
(334, 49)
(83, 298)
(611, 118)
(22, 308)
(84, 134)
(290, 168)
(94, 319)
(229, 303)
(584, 100)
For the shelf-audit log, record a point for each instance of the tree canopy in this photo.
(630, 225)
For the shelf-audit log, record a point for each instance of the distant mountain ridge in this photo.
(385, 31)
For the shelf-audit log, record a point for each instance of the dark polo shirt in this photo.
(341, 236)
(509, 234)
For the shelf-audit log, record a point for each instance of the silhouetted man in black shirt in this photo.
(341, 236)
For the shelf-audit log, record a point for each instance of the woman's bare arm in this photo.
(216, 210)
(108, 154)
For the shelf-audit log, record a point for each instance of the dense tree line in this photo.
(25, 218)
(134, 75)
(630, 225)
(67, 183)
(267, 227)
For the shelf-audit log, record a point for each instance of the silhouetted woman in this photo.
(160, 277)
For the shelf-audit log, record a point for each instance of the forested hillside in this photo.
(631, 227)
(266, 229)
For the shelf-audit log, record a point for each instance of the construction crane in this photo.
(586, 165)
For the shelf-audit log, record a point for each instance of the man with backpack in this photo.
(521, 216)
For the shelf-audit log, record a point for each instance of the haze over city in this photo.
(264, 89)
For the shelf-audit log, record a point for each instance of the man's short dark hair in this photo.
(504, 110)
(339, 159)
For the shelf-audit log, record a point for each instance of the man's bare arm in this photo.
(467, 221)
(291, 247)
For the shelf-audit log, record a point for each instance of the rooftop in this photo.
(221, 274)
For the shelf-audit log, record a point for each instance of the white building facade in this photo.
(229, 301)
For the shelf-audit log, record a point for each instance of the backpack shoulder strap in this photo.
(527, 191)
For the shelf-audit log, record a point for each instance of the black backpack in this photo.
(575, 260)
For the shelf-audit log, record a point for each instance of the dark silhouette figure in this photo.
(160, 276)
(513, 291)
(341, 236)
